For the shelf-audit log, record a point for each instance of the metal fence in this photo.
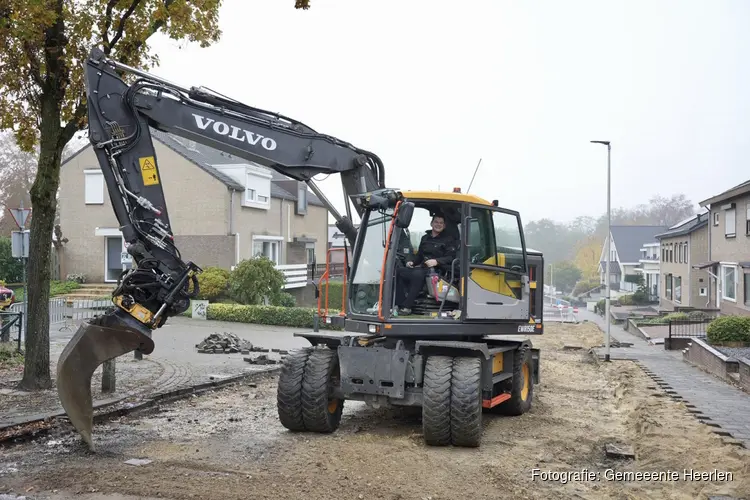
(68, 314)
(682, 328)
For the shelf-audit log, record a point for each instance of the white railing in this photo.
(294, 274)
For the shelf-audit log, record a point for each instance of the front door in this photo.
(114, 265)
(497, 285)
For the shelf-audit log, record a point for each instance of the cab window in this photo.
(495, 239)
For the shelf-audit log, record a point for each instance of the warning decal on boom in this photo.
(148, 171)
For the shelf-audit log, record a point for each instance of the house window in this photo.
(678, 289)
(716, 218)
(730, 225)
(301, 198)
(257, 190)
(668, 286)
(746, 281)
(702, 291)
(729, 283)
(685, 255)
(310, 255)
(267, 247)
(747, 220)
(94, 187)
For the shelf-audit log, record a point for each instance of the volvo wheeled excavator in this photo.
(451, 356)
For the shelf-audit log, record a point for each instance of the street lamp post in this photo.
(609, 246)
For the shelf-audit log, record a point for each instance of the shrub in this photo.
(729, 329)
(213, 283)
(626, 300)
(255, 279)
(585, 285)
(77, 277)
(11, 270)
(62, 287)
(284, 299)
(601, 305)
(664, 320)
(301, 317)
(640, 297)
(55, 288)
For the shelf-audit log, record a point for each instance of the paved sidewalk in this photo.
(710, 399)
(175, 364)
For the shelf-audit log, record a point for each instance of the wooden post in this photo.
(138, 355)
(108, 375)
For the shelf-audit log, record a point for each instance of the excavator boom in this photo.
(161, 284)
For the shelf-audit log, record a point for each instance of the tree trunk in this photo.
(36, 374)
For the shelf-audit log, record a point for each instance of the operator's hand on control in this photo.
(409, 263)
(431, 263)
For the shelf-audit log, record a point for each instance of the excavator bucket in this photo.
(95, 342)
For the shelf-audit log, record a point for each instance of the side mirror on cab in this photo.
(405, 212)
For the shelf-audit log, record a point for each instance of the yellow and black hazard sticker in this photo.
(148, 170)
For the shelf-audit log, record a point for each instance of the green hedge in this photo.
(265, 315)
(729, 329)
(335, 288)
(55, 288)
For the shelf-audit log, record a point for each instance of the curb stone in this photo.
(22, 434)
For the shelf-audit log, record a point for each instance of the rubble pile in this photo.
(264, 359)
(224, 343)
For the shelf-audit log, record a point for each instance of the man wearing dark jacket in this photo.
(436, 250)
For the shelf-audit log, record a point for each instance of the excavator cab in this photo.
(490, 287)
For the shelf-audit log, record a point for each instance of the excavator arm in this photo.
(161, 284)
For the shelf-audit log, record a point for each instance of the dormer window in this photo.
(301, 198)
(255, 179)
(257, 189)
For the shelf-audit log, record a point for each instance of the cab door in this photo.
(496, 269)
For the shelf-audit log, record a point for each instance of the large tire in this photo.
(466, 402)
(289, 390)
(320, 412)
(521, 385)
(436, 403)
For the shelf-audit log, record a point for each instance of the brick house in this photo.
(728, 258)
(681, 247)
(222, 209)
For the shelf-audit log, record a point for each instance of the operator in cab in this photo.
(437, 249)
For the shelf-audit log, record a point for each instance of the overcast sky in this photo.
(432, 86)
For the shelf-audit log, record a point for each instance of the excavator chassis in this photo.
(96, 341)
(453, 381)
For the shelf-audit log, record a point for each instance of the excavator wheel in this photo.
(321, 412)
(436, 404)
(96, 341)
(452, 401)
(521, 386)
(289, 389)
(466, 402)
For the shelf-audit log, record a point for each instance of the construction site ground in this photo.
(228, 444)
(175, 364)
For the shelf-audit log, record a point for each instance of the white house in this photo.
(634, 250)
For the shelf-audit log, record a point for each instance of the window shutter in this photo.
(94, 187)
